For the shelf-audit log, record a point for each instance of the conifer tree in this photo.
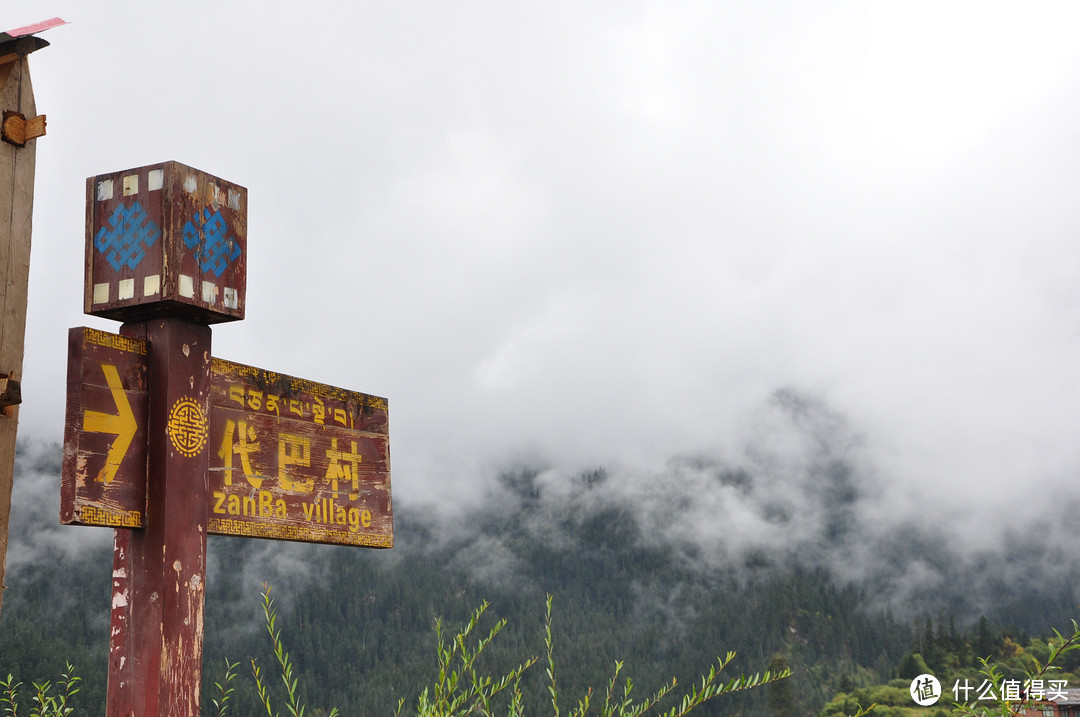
(779, 698)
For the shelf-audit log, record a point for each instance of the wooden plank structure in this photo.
(297, 460)
(165, 240)
(104, 470)
(166, 443)
(20, 126)
(290, 459)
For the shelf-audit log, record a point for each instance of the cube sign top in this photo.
(165, 239)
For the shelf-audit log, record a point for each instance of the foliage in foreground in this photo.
(44, 704)
(460, 687)
(1036, 674)
(1005, 691)
(460, 690)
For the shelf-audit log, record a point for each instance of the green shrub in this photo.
(45, 703)
(461, 688)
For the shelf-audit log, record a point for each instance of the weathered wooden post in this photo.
(166, 251)
(167, 444)
(20, 126)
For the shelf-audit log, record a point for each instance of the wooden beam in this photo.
(10, 392)
(20, 47)
(159, 571)
(16, 211)
(17, 129)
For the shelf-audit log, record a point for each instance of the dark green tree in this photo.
(912, 666)
(779, 698)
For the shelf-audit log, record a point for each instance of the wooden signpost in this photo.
(20, 126)
(166, 443)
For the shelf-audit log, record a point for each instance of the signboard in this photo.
(297, 460)
(165, 239)
(166, 443)
(290, 459)
(103, 481)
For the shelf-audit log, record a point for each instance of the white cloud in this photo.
(608, 231)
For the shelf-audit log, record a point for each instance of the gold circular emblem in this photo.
(187, 427)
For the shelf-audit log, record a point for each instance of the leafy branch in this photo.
(293, 704)
(226, 690)
(455, 696)
(45, 703)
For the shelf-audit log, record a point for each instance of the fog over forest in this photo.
(798, 487)
(735, 321)
(604, 237)
(789, 540)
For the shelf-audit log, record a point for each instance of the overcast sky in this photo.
(606, 232)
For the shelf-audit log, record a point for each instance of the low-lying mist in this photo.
(798, 488)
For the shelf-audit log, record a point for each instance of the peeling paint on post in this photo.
(166, 251)
(159, 572)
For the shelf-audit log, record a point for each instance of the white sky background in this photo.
(606, 232)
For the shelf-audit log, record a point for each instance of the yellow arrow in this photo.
(122, 424)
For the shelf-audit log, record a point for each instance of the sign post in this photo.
(20, 126)
(166, 443)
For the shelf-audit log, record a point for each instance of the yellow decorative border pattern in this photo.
(92, 515)
(249, 529)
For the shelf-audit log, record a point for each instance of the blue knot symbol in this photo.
(129, 234)
(208, 235)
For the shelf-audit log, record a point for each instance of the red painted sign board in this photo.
(104, 470)
(297, 460)
(290, 459)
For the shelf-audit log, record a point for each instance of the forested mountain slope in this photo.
(359, 623)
